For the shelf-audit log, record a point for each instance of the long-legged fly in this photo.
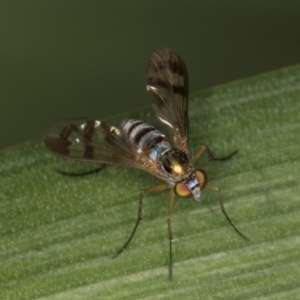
(140, 145)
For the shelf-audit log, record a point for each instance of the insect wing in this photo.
(90, 140)
(167, 80)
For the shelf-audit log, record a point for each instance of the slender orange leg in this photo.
(198, 153)
(170, 210)
(157, 188)
(217, 189)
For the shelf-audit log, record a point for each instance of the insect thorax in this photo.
(172, 163)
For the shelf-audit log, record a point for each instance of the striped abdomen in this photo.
(142, 136)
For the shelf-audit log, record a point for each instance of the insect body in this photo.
(171, 163)
(140, 145)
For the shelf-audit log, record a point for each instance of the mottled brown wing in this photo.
(167, 80)
(93, 141)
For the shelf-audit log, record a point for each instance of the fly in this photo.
(140, 145)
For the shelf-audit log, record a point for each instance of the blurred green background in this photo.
(66, 59)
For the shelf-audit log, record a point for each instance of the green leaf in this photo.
(58, 233)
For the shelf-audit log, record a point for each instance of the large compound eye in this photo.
(182, 190)
(201, 177)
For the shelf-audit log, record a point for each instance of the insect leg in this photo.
(97, 170)
(198, 153)
(157, 188)
(211, 155)
(217, 189)
(170, 209)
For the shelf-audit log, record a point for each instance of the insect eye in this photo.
(201, 177)
(182, 190)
